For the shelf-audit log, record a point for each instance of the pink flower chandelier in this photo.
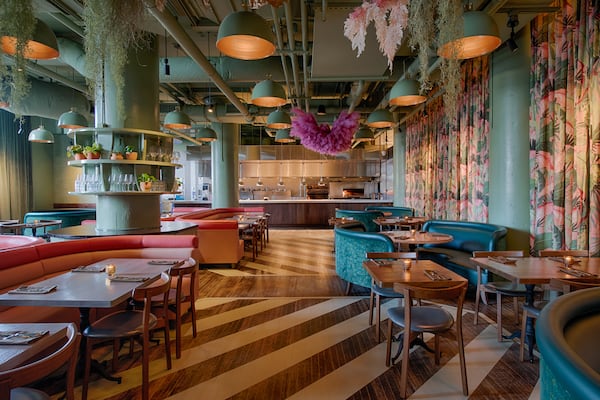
(322, 138)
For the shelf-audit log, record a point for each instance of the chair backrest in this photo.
(503, 253)
(562, 253)
(31, 372)
(392, 255)
(147, 291)
(454, 290)
(179, 272)
(570, 285)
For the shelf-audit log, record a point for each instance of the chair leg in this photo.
(477, 298)
(461, 356)
(168, 343)
(437, 349)
(115, 357)
(378, 316)
(388, 349)
(145, 365)
(88, 365)
(523, 335)
(405, 355)
(371, 306)
(499, 315)
(178, 330)
(516, 308)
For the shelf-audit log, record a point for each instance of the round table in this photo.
(406, 239)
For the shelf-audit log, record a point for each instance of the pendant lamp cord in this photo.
(167, 66)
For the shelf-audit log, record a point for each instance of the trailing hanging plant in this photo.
(450, 26)
(422, 33)
(112, 27)
(323, 138)
(16, 20)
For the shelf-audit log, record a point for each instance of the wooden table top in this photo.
(537, 270)
(399, 221)
(393, 274)
(404, 237)
(88, 289)
(12, 355)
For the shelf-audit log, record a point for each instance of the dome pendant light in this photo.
(246, 36)
(206, 134)
(381, 118)
(177, 119)
(41, 135)
(72, 120)
(283, 136)
(480, 37)
(43, 46)
(268, 94)
(279, 119)
(364, 135)
(406, 93)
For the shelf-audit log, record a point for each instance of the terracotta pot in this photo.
(131, 155)
(93, 156)
(116, 156)
(145, 186)
(79, 156)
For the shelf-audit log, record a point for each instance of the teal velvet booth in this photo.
(393, 211)
(468, 237)
(566, 337)
(365, 217)
(351, 248)
(68, 216)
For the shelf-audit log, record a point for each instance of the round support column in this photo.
(119, 212)
(400, 168)
(509, 142)
(225, 161)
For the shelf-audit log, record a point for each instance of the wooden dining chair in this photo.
(183, 277)
(564, 253)
(416, 320)
(500, 288)
(250, 238)
(562, 286)
(132, 323)
(12, 381)
(377, 292)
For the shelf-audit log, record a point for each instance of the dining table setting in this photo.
(413, 238)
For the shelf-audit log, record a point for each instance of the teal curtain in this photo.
(447, 163)
(565, 128)
(15, 166)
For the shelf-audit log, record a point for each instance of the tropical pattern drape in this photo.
(447, 164)
(565, 129)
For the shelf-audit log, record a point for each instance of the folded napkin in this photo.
(577, 272)
(20, 337)
(128, 278)
(89, 268)
(503, 260)
(33, 289)
(164, 262)
(436, 276)
(381, 263)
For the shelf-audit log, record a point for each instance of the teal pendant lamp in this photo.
(72, 120)
(283, 136)
(177, 119)
(268, 94)
(41, 135)
(406, 93)
(246, 36)
(206, 134)
(279, 119)
(480, 37)
(381, 118)
(42, 46)
(364, 135)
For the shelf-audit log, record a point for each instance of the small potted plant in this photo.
(116, 155)
(93, 152)
(75, 151)
(145, 182)
(130, 153)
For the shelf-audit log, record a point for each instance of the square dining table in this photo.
(532, 271)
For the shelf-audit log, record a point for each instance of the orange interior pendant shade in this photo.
(268, 94)
(406, 93)
(246, 36)
(43, 46)
(480, 37)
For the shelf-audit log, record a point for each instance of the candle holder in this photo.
(110, 269)
(407, 265)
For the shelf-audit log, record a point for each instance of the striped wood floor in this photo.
(281, 328)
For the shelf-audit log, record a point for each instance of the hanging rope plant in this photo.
(16, 20)
(322, 138)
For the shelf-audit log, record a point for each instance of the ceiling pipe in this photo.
(169, 22)
(304, 19)
(63, 19)
(72, 54)
(279, 39)
(292, 44)
(356, 94)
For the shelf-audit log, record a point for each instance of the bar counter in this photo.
(299, 213)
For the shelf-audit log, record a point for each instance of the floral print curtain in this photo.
(447, 163)
(565, 128)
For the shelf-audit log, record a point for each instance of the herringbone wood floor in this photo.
(281, 327)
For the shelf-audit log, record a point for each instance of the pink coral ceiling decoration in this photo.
(390, 18)
(323, 138)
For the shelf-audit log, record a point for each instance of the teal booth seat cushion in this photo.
(394, 211)
(351, 248)
(566, 337)
(68, 216)
(366, 217)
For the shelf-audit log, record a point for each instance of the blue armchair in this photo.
(351, 248)
(395, 211)
(366, 217)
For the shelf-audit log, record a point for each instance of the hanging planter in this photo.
(322, 138)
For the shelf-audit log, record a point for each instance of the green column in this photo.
(509, 142)
(224, 162)
(400, 168)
